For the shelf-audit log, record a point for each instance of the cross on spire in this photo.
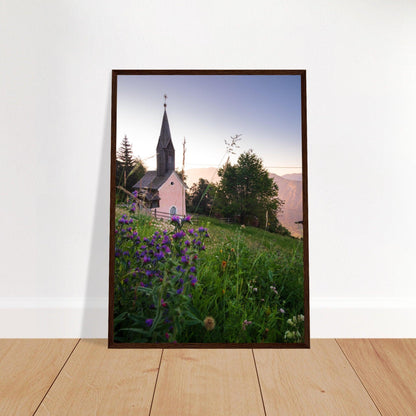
(165, 96)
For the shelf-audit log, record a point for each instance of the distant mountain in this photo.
(290, 191)
(293, 176)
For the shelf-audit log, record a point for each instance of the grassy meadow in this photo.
(206, 281)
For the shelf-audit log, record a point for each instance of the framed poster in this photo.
(209, 224)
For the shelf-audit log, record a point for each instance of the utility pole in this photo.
(183, 156)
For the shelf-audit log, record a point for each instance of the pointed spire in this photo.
(165, 136)
(165, 150)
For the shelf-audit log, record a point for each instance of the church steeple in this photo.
(165, 150)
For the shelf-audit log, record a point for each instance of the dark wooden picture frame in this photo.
(295, 326)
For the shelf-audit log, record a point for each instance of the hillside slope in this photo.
(290, 191)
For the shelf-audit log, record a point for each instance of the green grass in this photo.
(249, 280)
(239, 260)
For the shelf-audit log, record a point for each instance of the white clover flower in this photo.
(288, 335)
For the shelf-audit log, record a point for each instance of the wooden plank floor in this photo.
(318, 382)
(83, 377)
(27, 369)
(388, 370)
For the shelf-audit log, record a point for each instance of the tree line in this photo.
(245, 193)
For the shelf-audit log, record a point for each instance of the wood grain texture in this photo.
(318, 381)
(387, 367)
(101, 381)
(195, 382)
(28, 368)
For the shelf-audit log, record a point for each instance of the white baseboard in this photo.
(88, 318)
(363, 317)
(53, 318)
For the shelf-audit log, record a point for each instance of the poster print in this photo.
(208, 237)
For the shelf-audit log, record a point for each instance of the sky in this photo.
(209, 109)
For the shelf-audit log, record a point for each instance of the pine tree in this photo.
(129, 170)
(125, 161)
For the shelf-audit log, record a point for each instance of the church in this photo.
(162, 190)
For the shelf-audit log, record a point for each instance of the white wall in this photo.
(56, 59)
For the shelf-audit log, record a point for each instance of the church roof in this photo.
(165, 136)
(151, 181)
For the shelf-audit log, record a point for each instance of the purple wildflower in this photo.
(149, 322)
(176, 219)
(160, 255)
(179, 291)
(192, 269)
(179, 234)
